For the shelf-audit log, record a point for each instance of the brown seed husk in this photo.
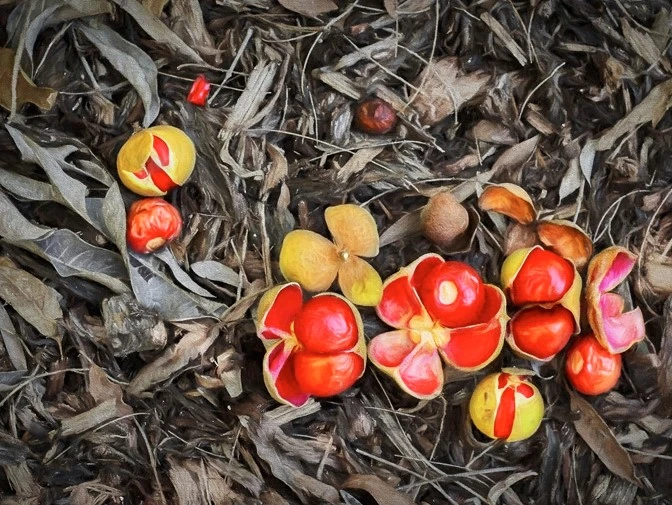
(444, 219)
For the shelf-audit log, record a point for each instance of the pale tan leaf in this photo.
(661, 29)
(651, 109)
(155, 6)
(277, 172)
(500, 488)
(665, 356)
(380, 490)
(358, 162)
(310, 8)
(595, 432)
(493, 132)
(443, 89)
(101, 413)
(406, 226)
(514, 157)
(503, 34)
(190, 347)
(642, 43)
(391, 8)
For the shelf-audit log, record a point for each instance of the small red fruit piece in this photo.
(198, 94)
(590, 368)
(326, 374)
(544, 277)
(375, 116)
(453, 294)
(541, 333)
(326, 324)
(152, 223)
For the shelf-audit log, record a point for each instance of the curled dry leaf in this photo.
(516, 156)
(567, 239)
(510, 200)
(444, 89)
(381, 491)
(26, 90)
(493, 132)
(310, 8)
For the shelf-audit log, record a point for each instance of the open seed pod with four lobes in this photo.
(151, 224)
(441, 310)
(315, 348)
(615, 330)
(506, 405)
(315, 261)
(590, 368)
(155, 160)
(548, 288)
(562, 237)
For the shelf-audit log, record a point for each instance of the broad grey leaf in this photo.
(95, 171)
(33, 300)
(131, 61)
(73, 191)
(166, 255)
(215, 271)
(158, 31)
(154, 291)
(12, 341)
(59, 12)
(27, 188)
(65, 250)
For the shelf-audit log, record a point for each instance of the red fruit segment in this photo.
(161, 149)
(159, 176)
(525, 390)
(277, 323)
(422, 372)
(422, 267)
(281, 365)
(453, 294)
(399, 303)
(506, 413)
(590, 368)
(326, 324)
(198, 94)
(544, 277)
(542, 333)
(390, 349)
(327, 374)
(473, 347)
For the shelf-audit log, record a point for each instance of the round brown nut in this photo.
(375, 116)
(444, 219)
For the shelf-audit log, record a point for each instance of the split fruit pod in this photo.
(155, 160)
(506, 405)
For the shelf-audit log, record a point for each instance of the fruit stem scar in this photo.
(344, 254)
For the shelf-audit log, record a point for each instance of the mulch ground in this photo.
(117, 383)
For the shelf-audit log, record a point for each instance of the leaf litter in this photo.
(136, 378)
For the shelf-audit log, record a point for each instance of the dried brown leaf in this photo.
(503, 34)
(514, 157)
(391, 7)
(406, 226)
(277, 171)
(26, 90)
(658, 273)
(445, 89)
(101, 413)
(310, 8)
(500, 487)
(661, 29)
(595, 432)
(651, 109)
(190, 347)
(642, 43)
(358, 162)
(665, 355)
(493, 132)
(155, 6)
(380, 490)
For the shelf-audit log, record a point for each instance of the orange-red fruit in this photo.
(375, 116)
(540, 332)
(453, 294)
(326, 374)
(544, 277)
(326, 324)
(590, 368)
(152, 223)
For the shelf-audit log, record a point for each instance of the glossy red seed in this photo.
(544, 277)
(326, 374)
(375, 116)
(453, 294)
(198, 94)
(506, 413)
(590, 368)
(326, 324)
(541, 332)
(152, 222)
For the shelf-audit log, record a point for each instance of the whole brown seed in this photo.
(375, 116)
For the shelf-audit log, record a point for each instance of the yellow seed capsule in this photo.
(155, 160)
(507, 406)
